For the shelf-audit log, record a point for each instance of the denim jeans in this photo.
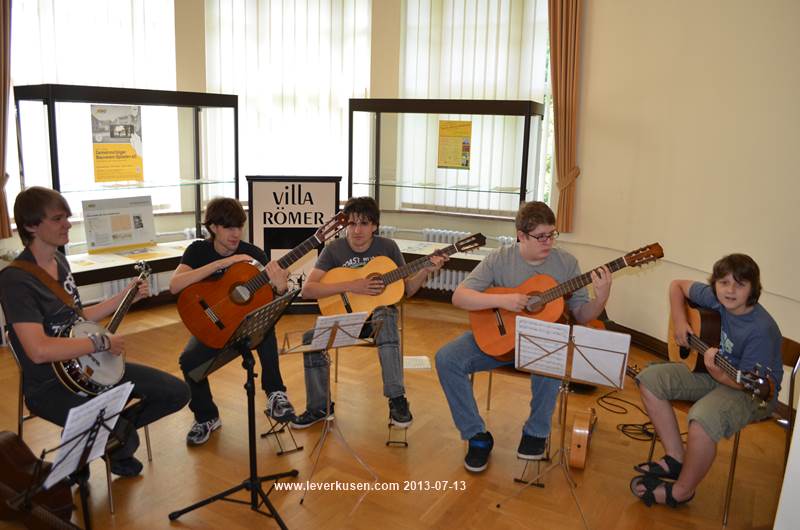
(196, 353)
(388, 341)
(461, 357)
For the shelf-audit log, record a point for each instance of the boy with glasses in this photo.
(748, 336)
(532, 255)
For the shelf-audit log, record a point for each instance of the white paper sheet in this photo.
(79, 420)
(349, 328)
(600, 356)
(541, 347)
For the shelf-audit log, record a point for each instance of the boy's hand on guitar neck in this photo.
(435, 263)
(143, 292)
(601, 282)
(278, 277)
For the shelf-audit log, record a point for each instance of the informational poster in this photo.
(113, 225)
(455, 138)
(285, 211)
(117, 143)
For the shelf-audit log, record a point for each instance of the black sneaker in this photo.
(309, 418)
(477, 457)
(399, 413)
(200, 432)
(126, 467)
(279, 408)
(531, 447)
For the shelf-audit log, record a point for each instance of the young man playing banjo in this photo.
(37, 318)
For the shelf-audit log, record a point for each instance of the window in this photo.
(474, 49)
(125, 43)
(294, 65)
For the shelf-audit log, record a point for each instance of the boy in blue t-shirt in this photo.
(749, 337)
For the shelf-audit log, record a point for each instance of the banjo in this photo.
(94, 373)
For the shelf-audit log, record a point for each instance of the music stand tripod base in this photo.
(249, 334)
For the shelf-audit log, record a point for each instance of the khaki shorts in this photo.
(722, 411)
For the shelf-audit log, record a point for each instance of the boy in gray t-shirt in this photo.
(358, 248)
(509, 267)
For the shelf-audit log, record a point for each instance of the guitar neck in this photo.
(576, 283)
(261, 279)
(415, 266)
(719, 360)
(122, 310)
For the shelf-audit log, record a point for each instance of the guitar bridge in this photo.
(211, 314)
(501, 327)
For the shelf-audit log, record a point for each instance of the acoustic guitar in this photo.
(212, 309)
(46, 509)
(494, 329)
(706, 327)
(389, 273)
(94, 373)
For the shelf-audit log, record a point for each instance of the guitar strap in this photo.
(40, 274)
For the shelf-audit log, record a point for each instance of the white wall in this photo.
(688, 131)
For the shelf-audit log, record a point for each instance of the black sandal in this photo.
(654, 469)
(650, 484)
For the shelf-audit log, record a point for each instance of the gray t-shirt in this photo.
(745, 340)
(506, 268)
(26, 299)
(339, 254)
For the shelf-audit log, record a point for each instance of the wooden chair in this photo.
(22, 418)
(790, 351)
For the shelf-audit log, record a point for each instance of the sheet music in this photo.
(350, 325)
(541, 347)
(79, 420)
(600, 356)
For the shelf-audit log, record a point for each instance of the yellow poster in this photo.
(454, 144)
(117, 143)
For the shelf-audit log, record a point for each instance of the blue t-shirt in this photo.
(745, 340)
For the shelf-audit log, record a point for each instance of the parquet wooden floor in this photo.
(179, 475)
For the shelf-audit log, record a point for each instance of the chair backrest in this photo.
(790, 351)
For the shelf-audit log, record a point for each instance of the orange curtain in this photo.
(5, 83)
(565, 31)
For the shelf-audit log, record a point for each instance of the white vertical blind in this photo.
(472, 49)
(294, 65)
(120, 43)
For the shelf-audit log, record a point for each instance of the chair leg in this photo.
(729, 489)
(489, 392)
(147, 443)
(107, 461)
(20, 410)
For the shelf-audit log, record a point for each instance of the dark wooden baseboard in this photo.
(641, 340)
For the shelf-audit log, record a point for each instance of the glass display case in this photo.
(186, 144)
(497, 164)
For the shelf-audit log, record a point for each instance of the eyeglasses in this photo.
(542, 238)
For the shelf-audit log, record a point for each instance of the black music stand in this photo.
(81, 443)
(250, 333)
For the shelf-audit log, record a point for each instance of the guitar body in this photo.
(17, 468)
(93, 373)
(706, 325)
(582, 428)
(213, 309)
(339, 304)
(495, 329)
